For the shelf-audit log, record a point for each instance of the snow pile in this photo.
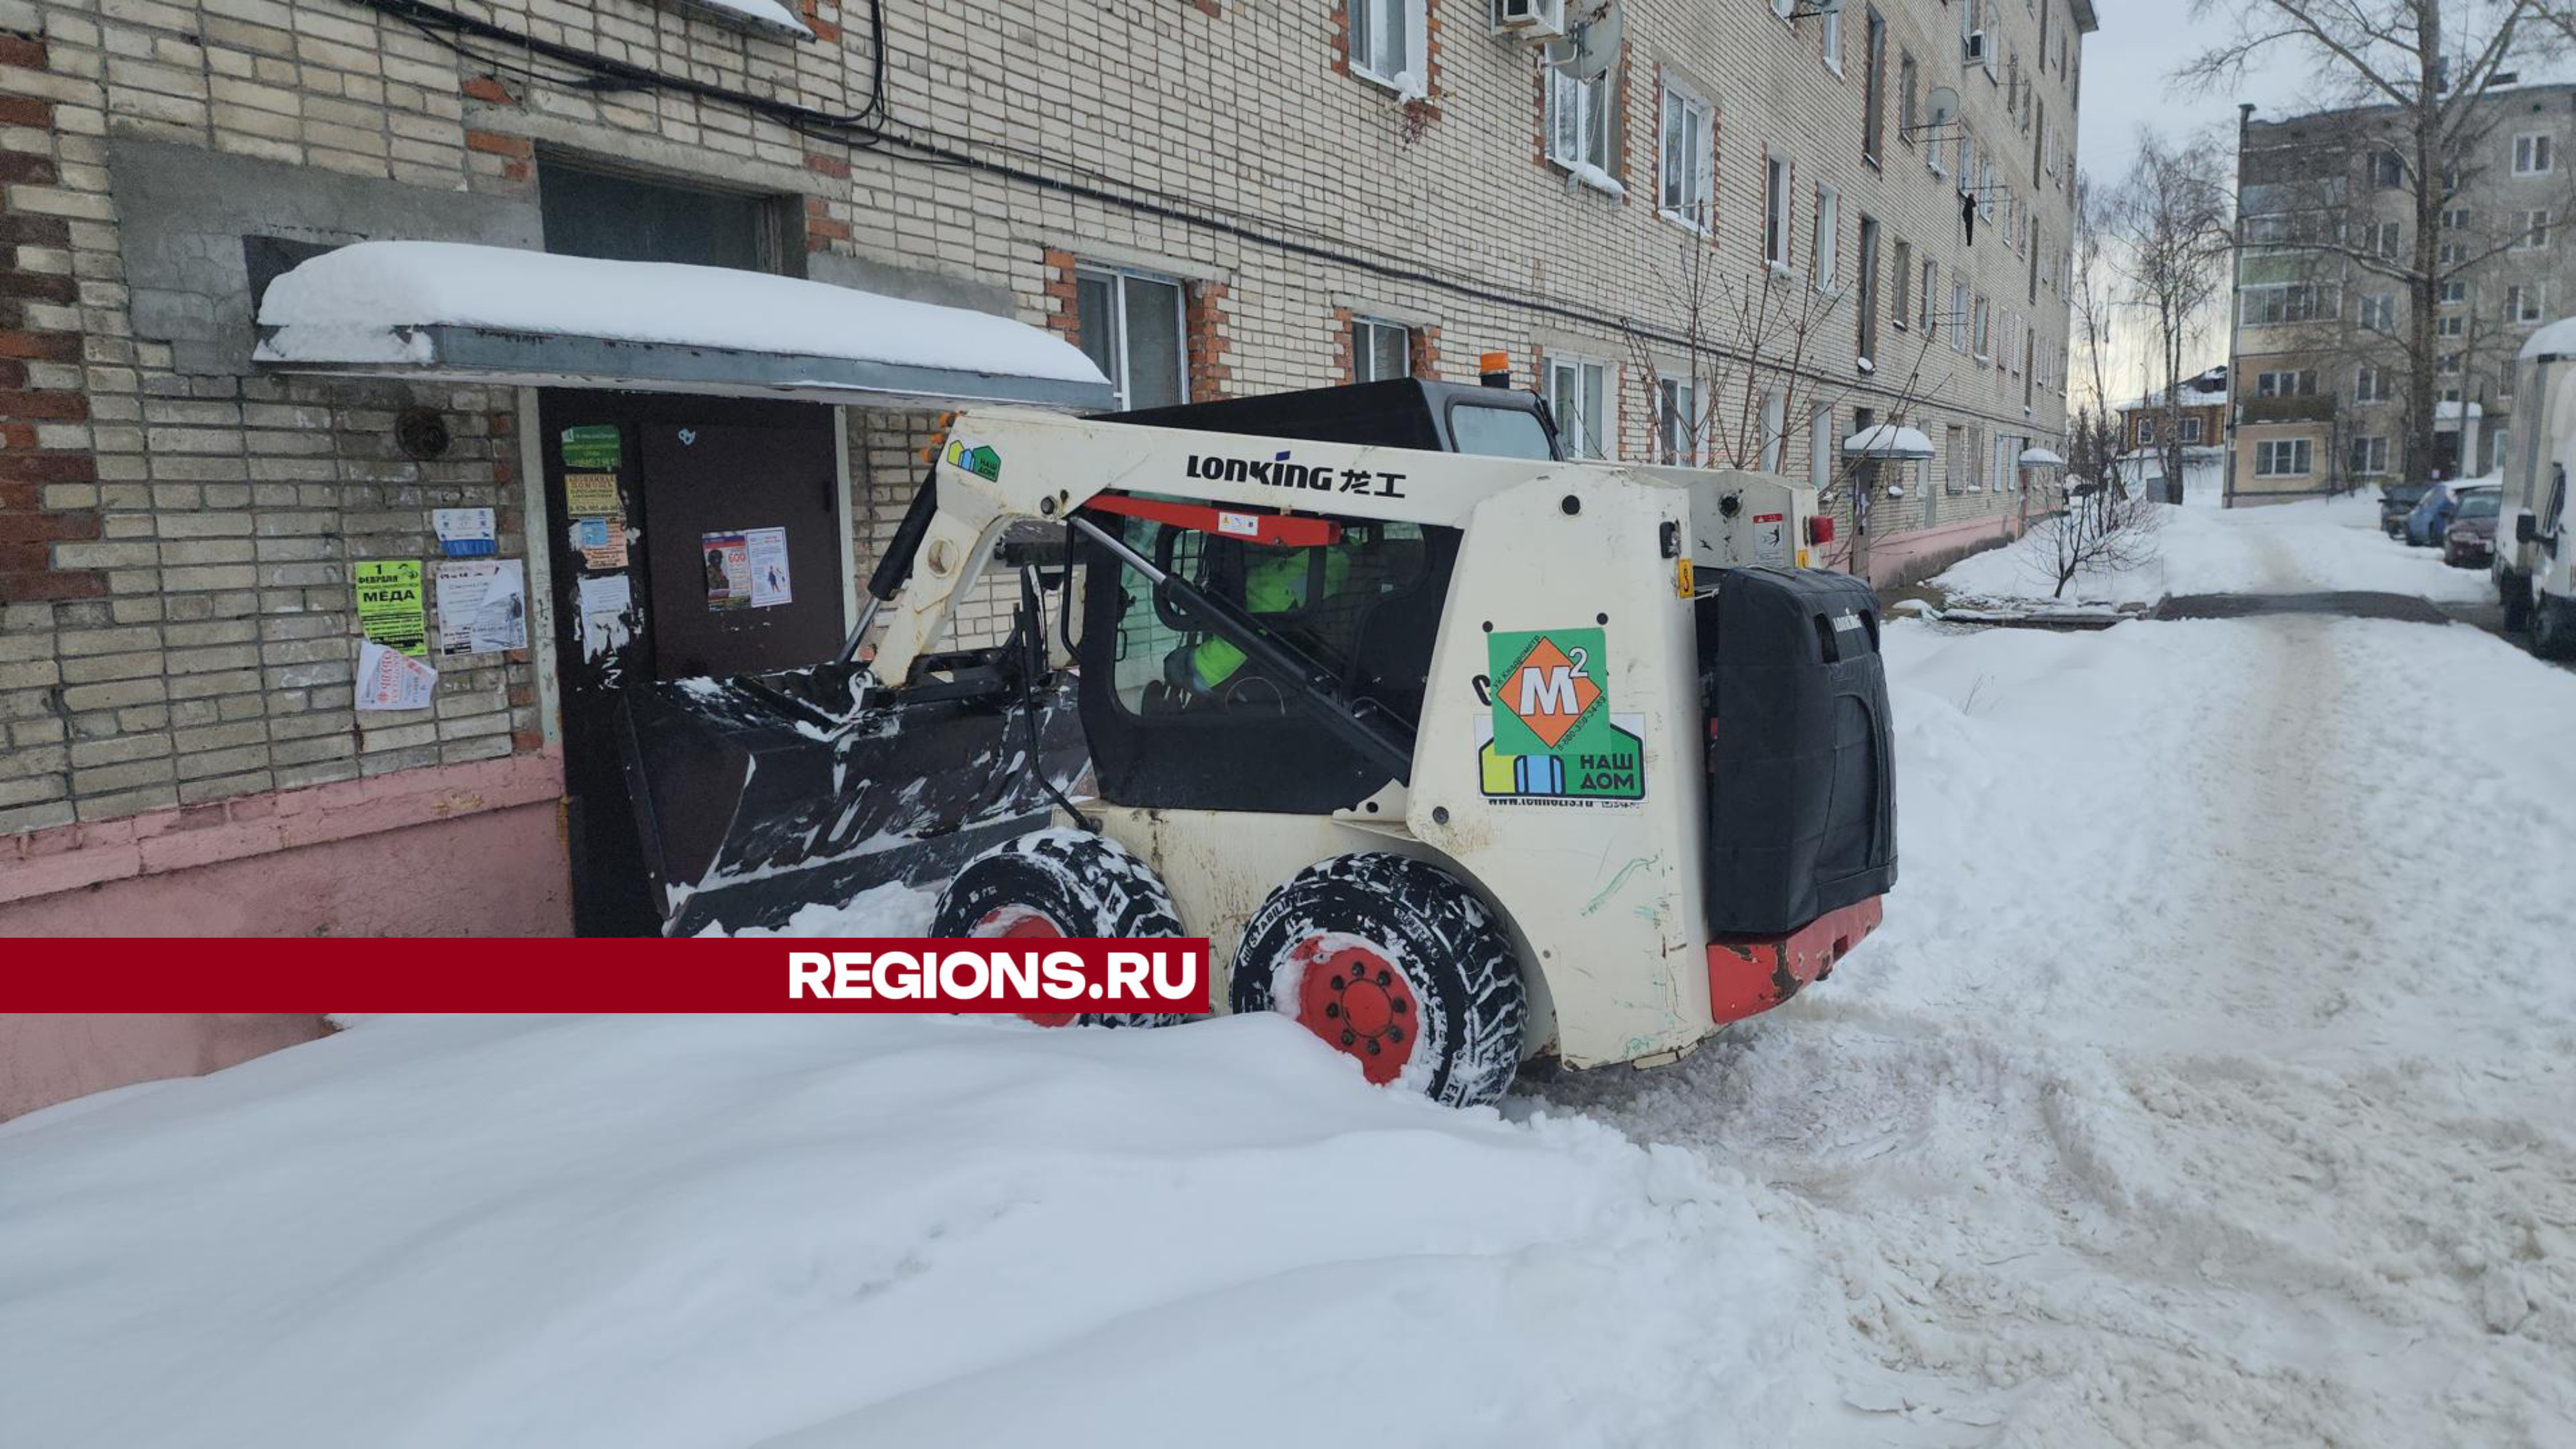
(2207, 1083)
(354, 303)
(892, 909)
(2286, 548)
(859, 1231)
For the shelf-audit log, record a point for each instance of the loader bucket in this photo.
(758, 796)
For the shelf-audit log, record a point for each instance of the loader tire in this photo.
(1060, 883)
(1393, 962)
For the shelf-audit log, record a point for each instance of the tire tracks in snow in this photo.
(2215, 1173)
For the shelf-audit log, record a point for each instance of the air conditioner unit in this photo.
(1978, 50)
(1530, 19)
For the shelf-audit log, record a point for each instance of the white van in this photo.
(2534, 554)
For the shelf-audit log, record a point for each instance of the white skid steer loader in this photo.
(1457, 759)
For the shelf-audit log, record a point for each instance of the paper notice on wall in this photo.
(464, 532)
(603, 601)
(767, 550)
(391, 610)
(390, 679)
(482, 606)
(602, 541)
(728, 569)
(592, 446)
(587, 494)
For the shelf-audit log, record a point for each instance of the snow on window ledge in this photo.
(768, 17)
(1864, 364)
(1594, 177)
(1406, 85)
(1781, 270)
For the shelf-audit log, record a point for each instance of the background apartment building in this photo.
(1211, 197)
(2323, 313)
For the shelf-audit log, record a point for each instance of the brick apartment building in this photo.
(2320, 329)
(1211, 197)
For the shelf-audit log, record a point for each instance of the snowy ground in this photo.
(2286, 548)
(2210, 1083)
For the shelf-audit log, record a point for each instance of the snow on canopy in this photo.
(362, 298)
(2042, 458)
(1887, 440)
(2556, 339)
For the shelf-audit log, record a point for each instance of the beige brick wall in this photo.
(1223, 142)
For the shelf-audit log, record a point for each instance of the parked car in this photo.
(2469, 543)
(2432, 513)
(2395, 502)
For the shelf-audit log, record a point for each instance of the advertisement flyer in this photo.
(728, 564)
(391, 609)
(388, 679)
(482, 606)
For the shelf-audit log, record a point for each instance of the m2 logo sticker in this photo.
(1550, 736)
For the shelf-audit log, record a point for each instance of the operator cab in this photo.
(1178, 717)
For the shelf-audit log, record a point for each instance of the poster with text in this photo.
(767, 552)
(728, 567)
(391, 609)
(482, 606)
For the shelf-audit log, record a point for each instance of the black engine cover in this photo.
(1801, 764)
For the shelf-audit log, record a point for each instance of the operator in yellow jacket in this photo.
(1274, 584)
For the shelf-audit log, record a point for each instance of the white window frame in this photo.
(2531, 230)
(1775, 431)
(2190, 430)
(2370, 384)
(2269, 453)
(1826, 257)
(2382, 306)
(1820, 446)
(1680, 430)
(1363, 355)
(2454, 325)
(1985, 317)
(1369, 28)
(1960, 317)
(1118, 278)
(1596, 127)
(1778, 222)
(2385, 237)
(2535, 153)
(2455, 292)
(1693, 174)
(2527, 304)
(1582, 431)
(1829, 33)
(2369, 455)
(2146, 432)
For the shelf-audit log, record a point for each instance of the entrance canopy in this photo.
(449, 311)
(2041, 458)
(1887, 440)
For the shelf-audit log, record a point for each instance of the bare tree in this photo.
(2420, 65)
(2099, 531)
(2092, 325)
(2171, 221)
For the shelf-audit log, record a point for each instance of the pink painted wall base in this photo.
(47, 1058)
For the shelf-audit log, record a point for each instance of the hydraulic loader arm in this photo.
(1001, 466)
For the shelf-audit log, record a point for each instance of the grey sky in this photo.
(2126, 68)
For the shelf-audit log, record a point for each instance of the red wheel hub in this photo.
(1024, 923)
(1350, 996)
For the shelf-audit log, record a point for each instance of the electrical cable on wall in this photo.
(870, 128)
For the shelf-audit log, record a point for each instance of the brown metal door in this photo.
(741, 508)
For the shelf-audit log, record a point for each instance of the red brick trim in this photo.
(488, 89)
(1346, 350)
(1063, 293)
(1211, 353)
(32, 524)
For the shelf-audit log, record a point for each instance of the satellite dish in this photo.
(1941, 108)
(1596, 43)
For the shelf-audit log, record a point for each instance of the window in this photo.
(1901, 305)
(1783, 8)
(1386, 38)
(2531, 154)
(2455, 219)
(1580, 125)
(2286, 302)
(630, 219)
(1829, 247)
(1909, 91)
(1958, 316)
(2448, 254)
(2146, 430)
(1931, 289)
(2370, 384)
(2383, 238)
(1873, 101)
(1830, 32)
(1954, 461)
(2191, 430)
(2387, 170)
(1689, 158)
(1820, 447)
(2281, 458)
(1775, 430)
(2455, 292)
(1131, 328)
(1868, 289)
(2524, 305)
(2369, 456)
(2449, 365)
(1380, 350)
(2301, 383)
(2451, 326)
(1775, 210)
(1578, 392)
(1985, 338)
(1676, 422)
(2531, 231)
(2378, 313)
